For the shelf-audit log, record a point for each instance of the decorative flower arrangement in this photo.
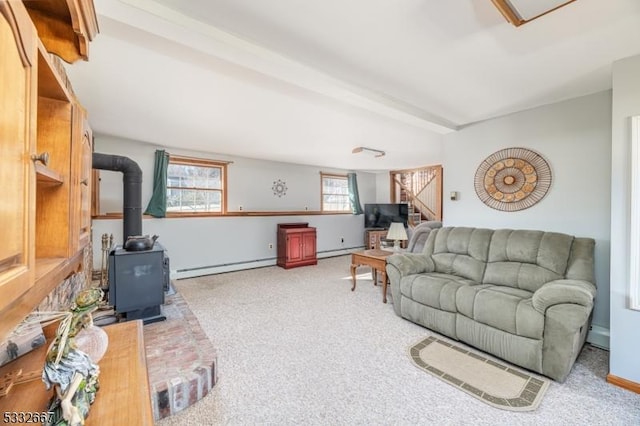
(71, 367)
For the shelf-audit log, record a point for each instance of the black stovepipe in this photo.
(132, 190)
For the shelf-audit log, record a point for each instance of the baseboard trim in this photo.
(598, 336)
(623, 383)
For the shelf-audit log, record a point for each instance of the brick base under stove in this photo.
(181, 361)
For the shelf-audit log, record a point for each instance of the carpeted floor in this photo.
(298, 347)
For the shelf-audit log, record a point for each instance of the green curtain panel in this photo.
(354, 197)
(157, 206)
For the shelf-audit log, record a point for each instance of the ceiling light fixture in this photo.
(520, 12)
(375, 152)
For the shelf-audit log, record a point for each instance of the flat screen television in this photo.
(381, 215)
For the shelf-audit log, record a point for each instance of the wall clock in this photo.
(279, 188)
(512, 179)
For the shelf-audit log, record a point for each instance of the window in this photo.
(335, 193)
(196, 185)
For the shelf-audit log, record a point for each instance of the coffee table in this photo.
(377, 260)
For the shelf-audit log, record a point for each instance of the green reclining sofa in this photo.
(523, 296)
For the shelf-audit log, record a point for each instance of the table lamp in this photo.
(397, 233)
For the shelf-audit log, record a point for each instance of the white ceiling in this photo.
(307, 81)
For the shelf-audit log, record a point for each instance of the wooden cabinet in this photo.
(17, 143)
(65, 26)
(45, 158)
(296, 245)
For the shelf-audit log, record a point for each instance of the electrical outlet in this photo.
(270, 246)
(342, 240)
(306, 207)
(239, 208)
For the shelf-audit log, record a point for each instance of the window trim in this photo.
(203, 162)
(332, 175)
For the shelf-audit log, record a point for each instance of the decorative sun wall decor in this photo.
(279, 188)
(512, 179)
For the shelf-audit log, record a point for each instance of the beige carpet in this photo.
(298, 347)
(493, 382)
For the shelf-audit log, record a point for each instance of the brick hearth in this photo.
(181, 361)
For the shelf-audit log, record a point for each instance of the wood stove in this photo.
(137, 282)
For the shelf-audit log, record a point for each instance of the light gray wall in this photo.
(574, 137)
(383, 188)
(625, 323)
(242, 241)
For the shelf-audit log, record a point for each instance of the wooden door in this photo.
(294, 247)
(86, 174)
(309, 245)
(81, 177)
(17, 142)
(85, 184)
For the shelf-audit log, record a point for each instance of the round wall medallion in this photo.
(279, 188)
(512, 179)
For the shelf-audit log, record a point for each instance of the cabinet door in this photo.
(83, 147)
(294, 246)
(17, 137)
(81, 176)
(85, 184)
(308, 245)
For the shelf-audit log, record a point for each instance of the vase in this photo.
(93, 341)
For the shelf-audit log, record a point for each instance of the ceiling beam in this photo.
(167, 23)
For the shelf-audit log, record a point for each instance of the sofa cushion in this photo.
(460, 251)
(433, 289)
(516, 349)
(527, 259)
(504, 308)
(523, 276)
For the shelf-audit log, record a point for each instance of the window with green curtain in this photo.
(157, 206)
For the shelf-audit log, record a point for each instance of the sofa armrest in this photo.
(418, 235)
(577, 292)
(410, 263)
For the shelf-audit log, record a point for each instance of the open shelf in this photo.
(51, 78)
(46, 176)
(46, 265)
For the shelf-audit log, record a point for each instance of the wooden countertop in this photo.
(123, 397)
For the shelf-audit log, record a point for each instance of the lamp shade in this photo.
(397, 232)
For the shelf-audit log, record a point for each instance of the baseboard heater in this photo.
(263, 262)
(222, 265)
